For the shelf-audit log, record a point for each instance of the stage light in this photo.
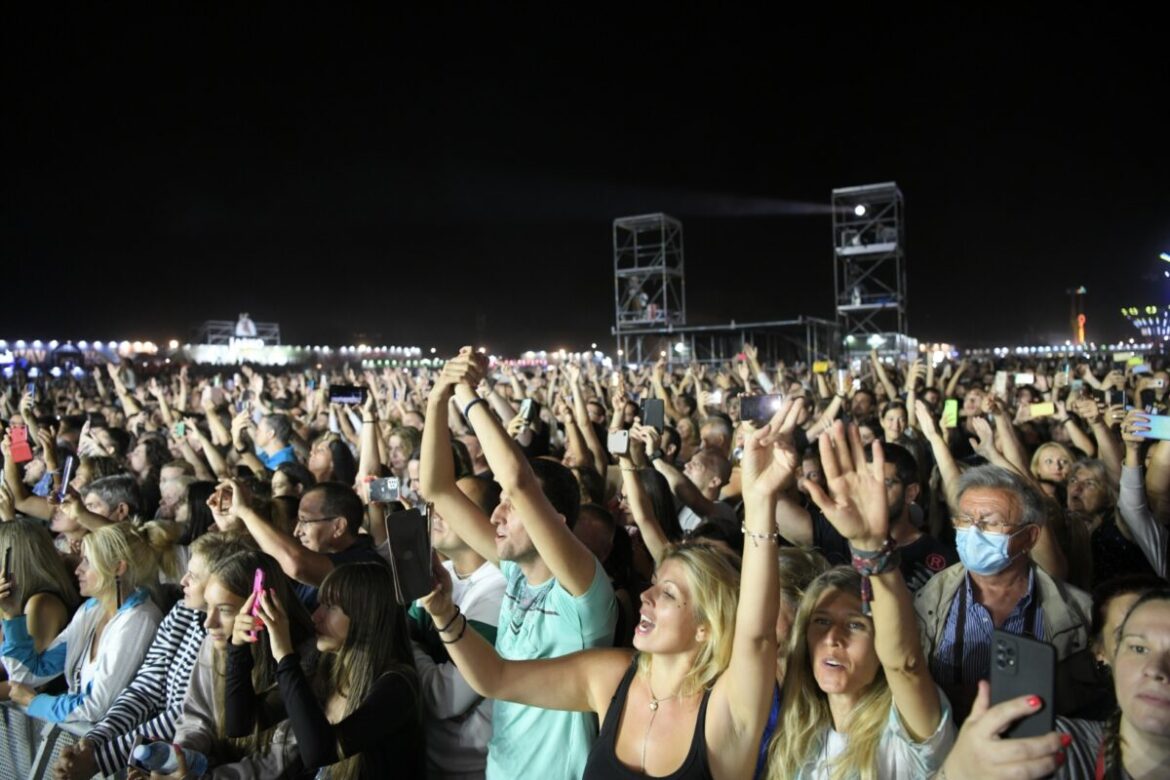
(859, 209)
(593, 345)
(173, 344)
(433, 350)
(53, 344)
(1165, 256)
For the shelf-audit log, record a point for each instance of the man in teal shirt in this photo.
(558, 599)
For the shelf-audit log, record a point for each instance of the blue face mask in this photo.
(984, 553)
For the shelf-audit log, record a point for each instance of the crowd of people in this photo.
(684, 571)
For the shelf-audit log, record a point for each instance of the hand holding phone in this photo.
(257, 591)
(1024, 667)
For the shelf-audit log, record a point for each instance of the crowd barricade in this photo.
(29, 747)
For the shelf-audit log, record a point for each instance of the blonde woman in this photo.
(48, 594)
(692, 701)
(858, 697)
(102, 647)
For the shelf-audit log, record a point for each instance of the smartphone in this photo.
(654, 413)
(66, 475)
(1024, 667)
(311, 384)
(1141, 368)
(759, 408)
(1122, 357)
(618, 442)
(1001, 383)
(1077, 385)
(1159, 427)
(821, 367)
(1042, 410)
(180, 429)
(841, 374)
(950, 415)
(257, 590)
(384, 490)
(1114, 397)
(529, 410)
(31, 389)
(347, 394)
(408, 534)
(715, 396)
(21, 451)
(1025, 379)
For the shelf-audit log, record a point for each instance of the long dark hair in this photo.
(378, 642)
(199, 517)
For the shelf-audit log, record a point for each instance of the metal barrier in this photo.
(30, 747)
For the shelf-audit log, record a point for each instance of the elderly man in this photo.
(997, 585)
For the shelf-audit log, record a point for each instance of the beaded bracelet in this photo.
(462, 631)
(869, 563)
(758, 537)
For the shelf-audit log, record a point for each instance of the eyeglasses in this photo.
(1085, 483)
(311, 520)
(988, 525)
(891, 482)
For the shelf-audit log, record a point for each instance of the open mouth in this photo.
(833, 664)
(645, 626)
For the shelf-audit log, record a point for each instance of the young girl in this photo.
(858, 697)
(105, 642)
(245, 733)
(361, 714)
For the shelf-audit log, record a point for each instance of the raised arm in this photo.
(297, 561)
(743, 693)
(1145, 531)
(880, 371)
(857, 509)
(641, 508)
(569, 560)
(578, 682)
(437, 475)
(680, 484)
(597, 451)
(947, 468)
(1158, 481)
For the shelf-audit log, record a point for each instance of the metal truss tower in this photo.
(649, 280)
(869, 266)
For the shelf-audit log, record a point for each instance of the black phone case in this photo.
(653, 413)
(409, 535)
(1024, 667)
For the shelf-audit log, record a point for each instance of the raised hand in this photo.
(856, 501)
(984, 440)
(770, 460)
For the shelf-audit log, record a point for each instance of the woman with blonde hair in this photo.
(858, 697)
(693, 700)
(1052, 461)
(48, 595)
(103, 645)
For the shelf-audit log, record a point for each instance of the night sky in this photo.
(453, 178)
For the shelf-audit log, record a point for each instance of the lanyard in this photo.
(961, 625)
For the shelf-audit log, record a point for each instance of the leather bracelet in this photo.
(462, 631)
(467, 409)
(451, 622)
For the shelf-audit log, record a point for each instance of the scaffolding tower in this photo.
(649, 280)
(869, 266)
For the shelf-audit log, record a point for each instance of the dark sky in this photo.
(450, 178)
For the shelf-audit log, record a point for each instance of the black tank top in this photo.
(603, 761)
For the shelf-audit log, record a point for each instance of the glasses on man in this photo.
(1085, 483)
(988, 525)
(311, 520)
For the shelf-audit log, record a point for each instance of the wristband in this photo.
(869, 563)
(462, 631)
(467, 409)
(451, 622)
(656, 456)
(758, 537)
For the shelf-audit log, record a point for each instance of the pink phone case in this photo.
(257, 589)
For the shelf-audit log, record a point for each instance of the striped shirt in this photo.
(1027, 619)
(1081, 755)
(154, 699)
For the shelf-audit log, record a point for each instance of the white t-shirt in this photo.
(899, 756)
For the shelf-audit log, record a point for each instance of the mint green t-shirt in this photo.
(546, 621)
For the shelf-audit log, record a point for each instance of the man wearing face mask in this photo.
(997, 585)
